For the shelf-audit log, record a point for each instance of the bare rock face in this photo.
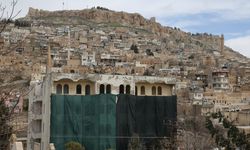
(102, 16)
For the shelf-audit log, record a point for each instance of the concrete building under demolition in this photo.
(61, 84)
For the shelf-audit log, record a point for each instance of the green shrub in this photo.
(72, 145)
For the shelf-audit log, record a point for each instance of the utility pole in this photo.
(63, 5)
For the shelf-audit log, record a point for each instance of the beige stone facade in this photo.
(115, 84)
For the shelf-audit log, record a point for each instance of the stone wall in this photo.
(100, 16)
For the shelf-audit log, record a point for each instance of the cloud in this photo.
(187, 23)
(240, 44)
(234, 34)
(226, 9)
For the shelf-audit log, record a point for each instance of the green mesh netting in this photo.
(89, 120)
(98, 123)
(147, 116)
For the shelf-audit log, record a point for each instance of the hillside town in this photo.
(86, 52)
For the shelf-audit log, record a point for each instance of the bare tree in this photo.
(7, 114)
(6, 15)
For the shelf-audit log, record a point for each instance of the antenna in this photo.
(63, 5)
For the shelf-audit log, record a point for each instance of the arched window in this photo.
(66, 89)
(159, 90)
(153, 90)
(121, 89)
(79, 89)
(58, 89)
(87, 90)
(108, 89)
(136, 91)
(142, 90)
(102, 89)
(127, 89)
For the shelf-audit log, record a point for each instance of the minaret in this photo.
(68, 54)
(69, 43)
(222, 44)
(69, 46)
(49, 62)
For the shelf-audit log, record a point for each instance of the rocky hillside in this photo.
(101, 17)
(129, 37)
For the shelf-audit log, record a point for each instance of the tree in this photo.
(72, 145)
(134, 48)
(5, 129)
(6, 16)
(149, 53)
(234, 137)
(135, 143)
(21, 23)
(6, 113)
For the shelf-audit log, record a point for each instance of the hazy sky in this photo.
(228, 17)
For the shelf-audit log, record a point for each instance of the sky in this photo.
(228, 17)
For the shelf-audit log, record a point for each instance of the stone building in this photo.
(220, 80)
(88, 59)
(110, 59)
(86, 84)
(196, 95)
